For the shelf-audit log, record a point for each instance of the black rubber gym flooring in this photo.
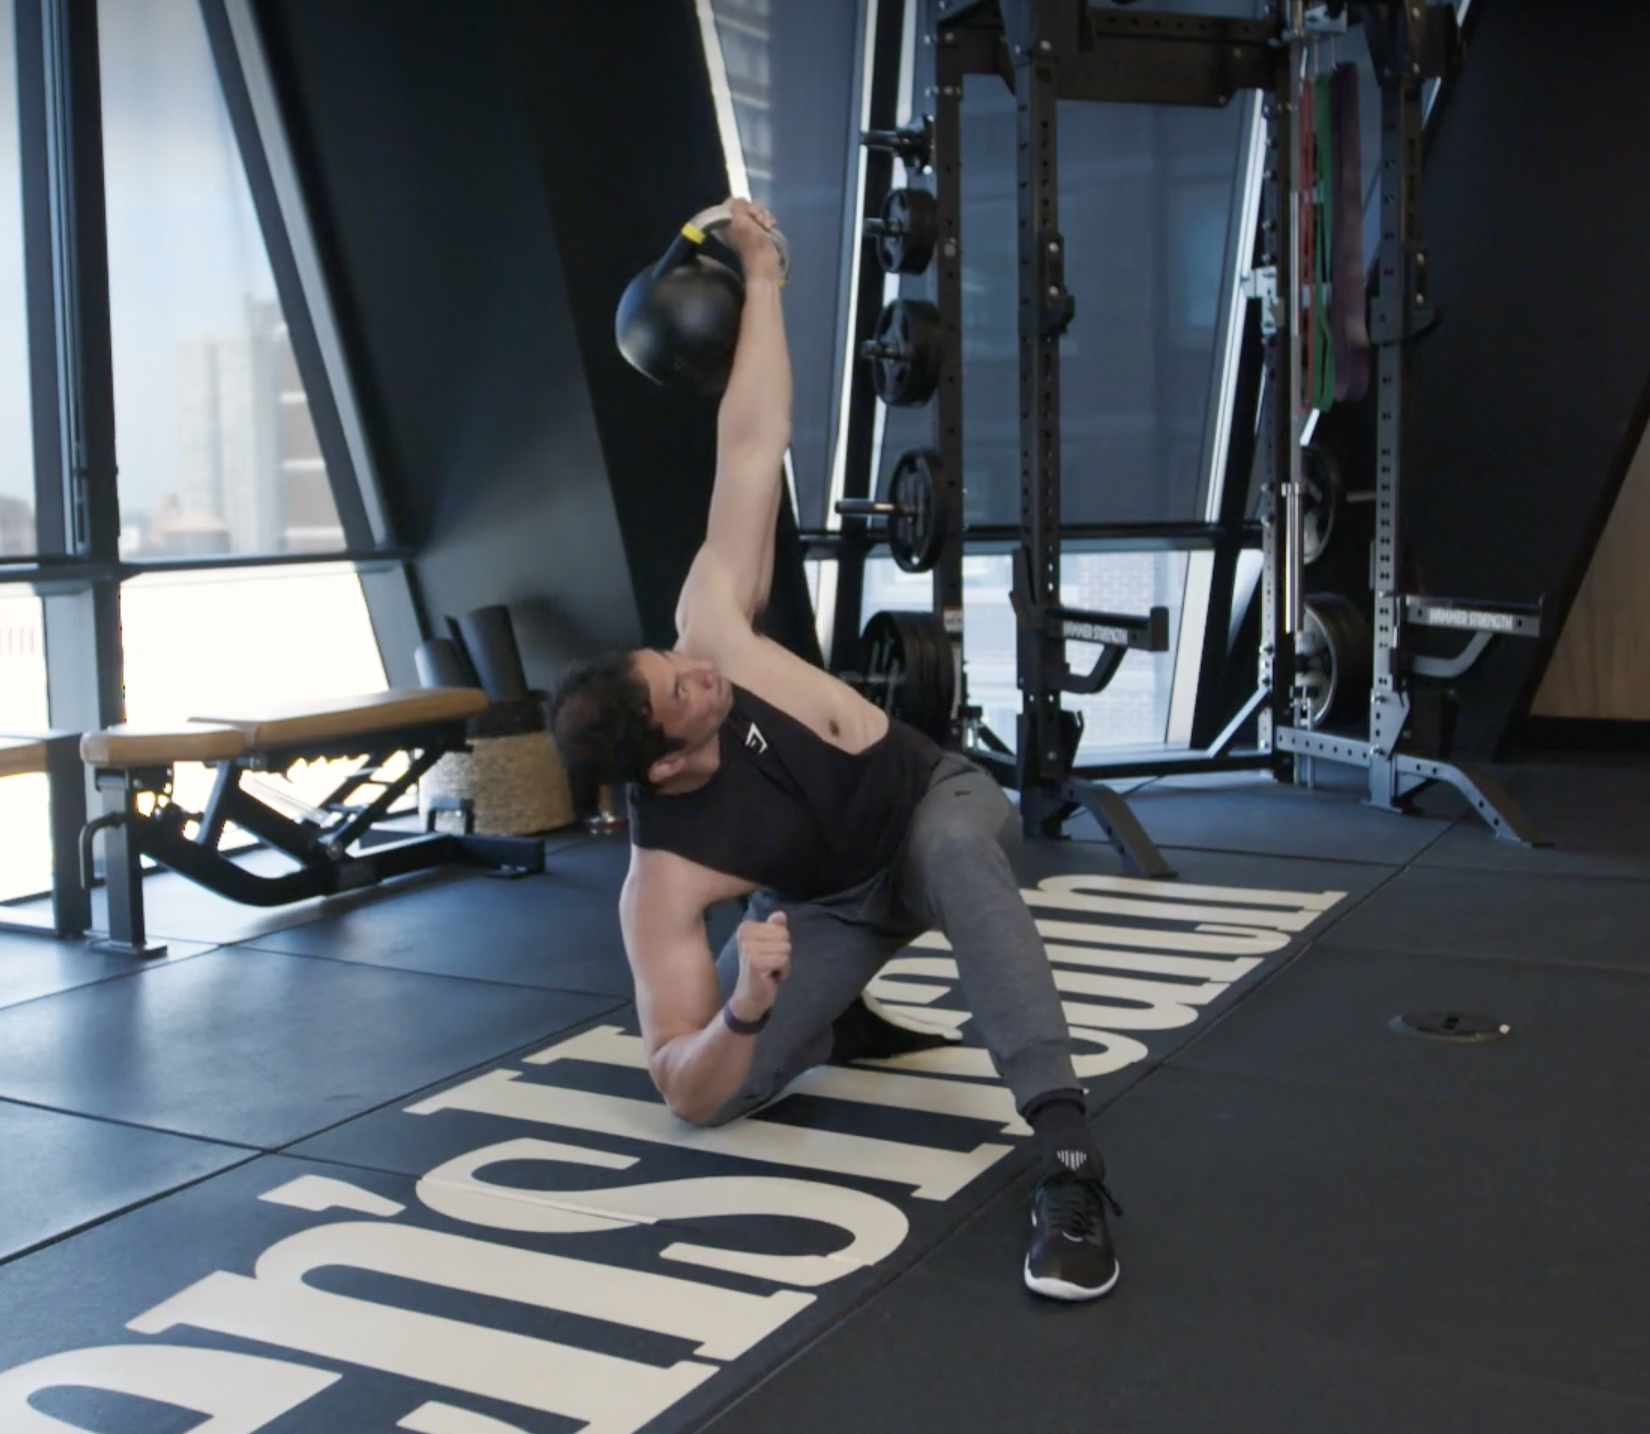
(393, 1161)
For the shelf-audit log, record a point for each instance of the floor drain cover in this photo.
(1450, 1026)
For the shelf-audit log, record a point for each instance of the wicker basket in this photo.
(503, 786)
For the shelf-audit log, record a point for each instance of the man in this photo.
(757, 775)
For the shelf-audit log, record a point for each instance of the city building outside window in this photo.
(217, 451)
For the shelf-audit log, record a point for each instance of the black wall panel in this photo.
(425, 196)
(1532, 391)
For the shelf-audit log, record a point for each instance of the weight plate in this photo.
(910, 230)
(1333, 658)
(928, 639)
(909, 669)
(914, 699)
(1322, 500)
(884, 651)
(905, 354)
(917, 527)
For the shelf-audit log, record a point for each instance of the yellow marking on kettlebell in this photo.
(693, 233)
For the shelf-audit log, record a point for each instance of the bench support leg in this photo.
(123, 867)
(66, 784)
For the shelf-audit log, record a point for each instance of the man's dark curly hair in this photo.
(602, 720)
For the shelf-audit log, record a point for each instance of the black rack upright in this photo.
(1047, 51)
(1410, 43)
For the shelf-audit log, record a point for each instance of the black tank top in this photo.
(787, 810)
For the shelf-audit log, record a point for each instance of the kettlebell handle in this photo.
(705, 223)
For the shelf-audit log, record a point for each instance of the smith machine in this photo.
(1051, 50)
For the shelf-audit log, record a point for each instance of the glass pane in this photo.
(25, 831)
(197, 644)
(17, 530)
(1133, 711)
(791, 68)
(1145, 204)
(217, 453)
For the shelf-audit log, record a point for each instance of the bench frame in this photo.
(319, 841)
(71, 912)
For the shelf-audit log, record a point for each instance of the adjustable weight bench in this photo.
(56, 755)
(330, 842)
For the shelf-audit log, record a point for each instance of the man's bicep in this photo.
(744, 504)
(713, 602)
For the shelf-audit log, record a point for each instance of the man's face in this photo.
(689, 697)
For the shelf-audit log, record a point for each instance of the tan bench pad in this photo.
(299, 723)
(133, 744)
(21, 754)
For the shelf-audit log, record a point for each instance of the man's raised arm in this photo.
(753, 430)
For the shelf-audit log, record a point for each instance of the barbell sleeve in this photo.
(864, 508)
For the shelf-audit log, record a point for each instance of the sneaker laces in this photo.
(1070, 1202)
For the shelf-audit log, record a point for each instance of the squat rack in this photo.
(1048, 50)
(1410, 43)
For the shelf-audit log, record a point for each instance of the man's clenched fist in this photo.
(748, 235)
(764, 961)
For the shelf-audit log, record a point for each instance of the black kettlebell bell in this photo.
(678, 320)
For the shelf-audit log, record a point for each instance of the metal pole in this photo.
(948, 406)
(1403, 294)
(1292, 575)
(1042, 759)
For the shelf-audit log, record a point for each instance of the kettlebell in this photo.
(678, 320)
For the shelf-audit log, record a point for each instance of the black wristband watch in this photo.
(745, 1028)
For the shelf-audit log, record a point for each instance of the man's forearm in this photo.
(755, 412)
(752, 432)
(699, 1073)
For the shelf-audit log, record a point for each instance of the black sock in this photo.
(1060, 1120)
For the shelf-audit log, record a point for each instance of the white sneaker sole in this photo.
(1064, 1290)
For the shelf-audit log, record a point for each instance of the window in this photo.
(17, 525)
(1145, 204)
(1133, 711)
(217, 451)
(239, 638)
(25, 830)
(195, 642)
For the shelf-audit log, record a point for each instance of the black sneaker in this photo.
(1071, 1257)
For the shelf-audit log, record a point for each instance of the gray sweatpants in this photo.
(951, 872)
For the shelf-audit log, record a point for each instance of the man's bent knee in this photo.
(739, 1105)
